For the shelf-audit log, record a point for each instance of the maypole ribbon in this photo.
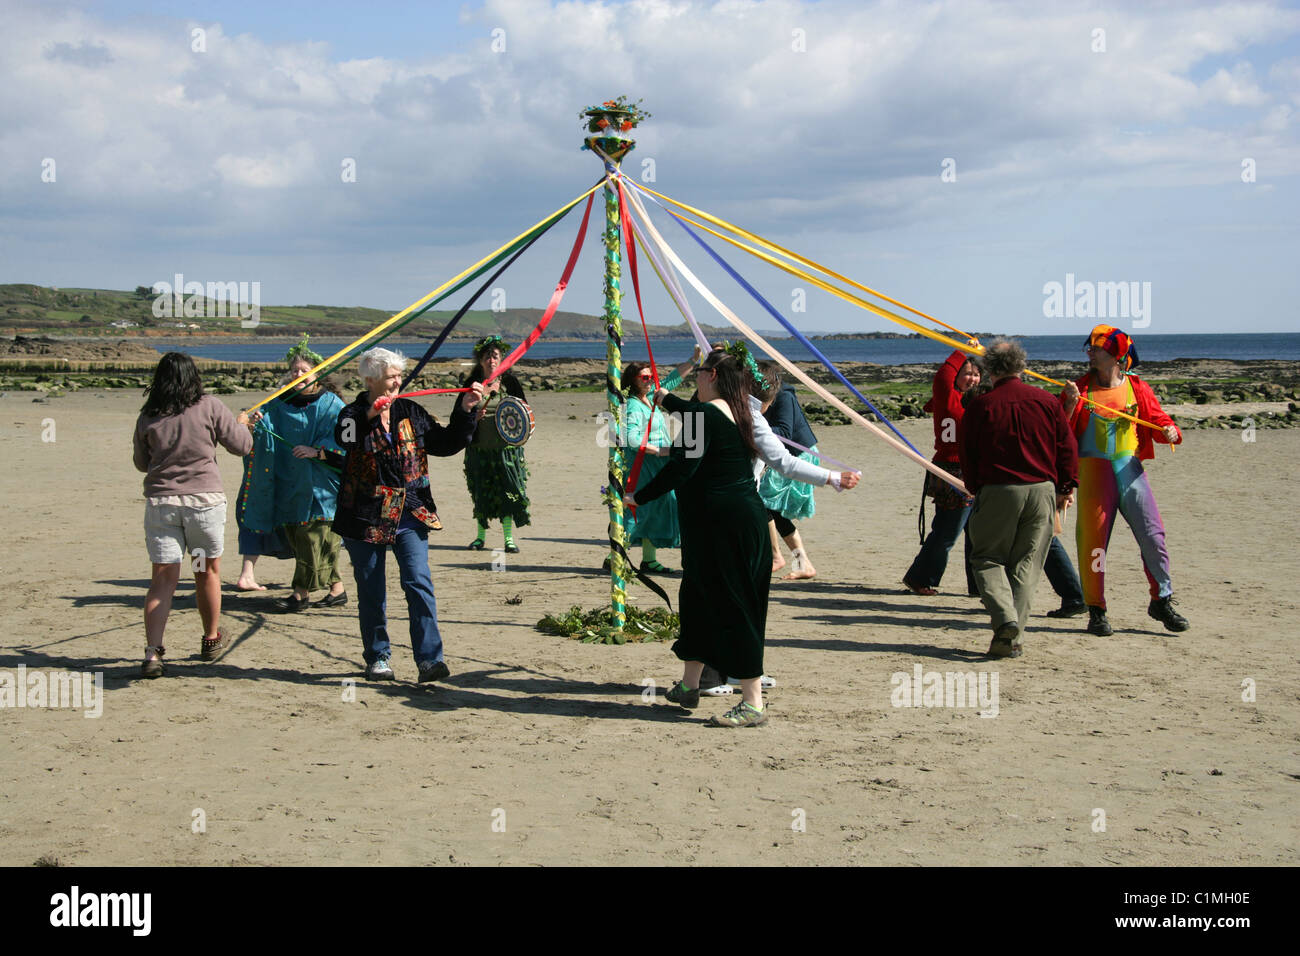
(534, 335)
(802, 339)
(798, 258)
(819, 454)
(455, 319)
(793, 369)
(669, 280)
(971, 349)
(446, 288)
(630, 240)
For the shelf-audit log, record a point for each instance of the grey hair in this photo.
(376, 362)
(1004, 357)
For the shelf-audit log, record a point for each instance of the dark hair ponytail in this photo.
(733, 388)
(176, 386)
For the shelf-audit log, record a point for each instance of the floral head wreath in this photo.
(491, 342)
(740, 353)
(301, 351)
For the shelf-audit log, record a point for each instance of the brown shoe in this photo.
(153, 668)
(212, 649)
(1006, 641)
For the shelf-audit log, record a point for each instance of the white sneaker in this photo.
(763, 681)
(722, 690)
(380, 670)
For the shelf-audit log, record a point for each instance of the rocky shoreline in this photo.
(1199, 393)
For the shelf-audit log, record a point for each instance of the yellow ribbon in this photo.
(870, 306)
(780, 359)
(798, 258)
(415, 305)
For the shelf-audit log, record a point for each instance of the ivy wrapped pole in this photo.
(607, 128)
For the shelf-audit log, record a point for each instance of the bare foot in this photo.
(801, 574)
(778, 563)
(248, 584)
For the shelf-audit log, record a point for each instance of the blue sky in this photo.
(824, 126)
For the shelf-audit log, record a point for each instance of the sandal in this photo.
(212, 649)
(475, 545)
(654, 567)
(153, 668)
(512, 548)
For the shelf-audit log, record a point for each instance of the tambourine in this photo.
(514, 420)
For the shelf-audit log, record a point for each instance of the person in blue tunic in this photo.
(291, 487)
(654, 525)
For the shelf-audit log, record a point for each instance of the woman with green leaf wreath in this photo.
(495, 473)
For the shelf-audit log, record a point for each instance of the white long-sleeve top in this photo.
(773, 453)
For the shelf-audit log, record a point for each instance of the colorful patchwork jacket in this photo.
(386, 473)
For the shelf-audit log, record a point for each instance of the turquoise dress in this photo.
(655, 522)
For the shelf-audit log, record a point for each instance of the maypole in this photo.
(608, 129)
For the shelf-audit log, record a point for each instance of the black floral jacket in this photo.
(383, 476)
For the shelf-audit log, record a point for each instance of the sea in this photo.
(670, 351)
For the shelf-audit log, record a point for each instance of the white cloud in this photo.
(846, 136)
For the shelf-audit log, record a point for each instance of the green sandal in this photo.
(654, 567)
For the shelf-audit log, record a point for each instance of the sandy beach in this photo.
(541, 750)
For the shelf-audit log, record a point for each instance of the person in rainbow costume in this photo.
(1111, 477)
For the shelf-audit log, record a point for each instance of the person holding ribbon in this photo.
(385, 501)
(725, 566)
(955, 378)
(654, 526)
(787, 499)
(495, 472)
(1111, 477)
(289, 485)
(175, 445)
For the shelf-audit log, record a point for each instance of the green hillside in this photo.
(37, 310)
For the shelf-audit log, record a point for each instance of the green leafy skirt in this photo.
(497, 479)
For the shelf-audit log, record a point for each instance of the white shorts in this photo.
(173, 532)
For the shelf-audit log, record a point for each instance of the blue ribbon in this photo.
(780, 318)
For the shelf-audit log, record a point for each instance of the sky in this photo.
(959, 156)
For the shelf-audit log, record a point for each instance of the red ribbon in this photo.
(536, 333)
(630, 242)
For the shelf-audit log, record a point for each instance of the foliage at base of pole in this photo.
(599, 626)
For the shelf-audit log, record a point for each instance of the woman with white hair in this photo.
(385, 500)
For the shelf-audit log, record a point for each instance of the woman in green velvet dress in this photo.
(726, 562)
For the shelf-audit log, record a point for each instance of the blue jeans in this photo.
(1061, 574)
(932, 560)
(412, 551)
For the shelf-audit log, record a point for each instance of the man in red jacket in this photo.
(1019, 460)
(1111, 477)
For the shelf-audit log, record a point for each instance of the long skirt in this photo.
(497, 479)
